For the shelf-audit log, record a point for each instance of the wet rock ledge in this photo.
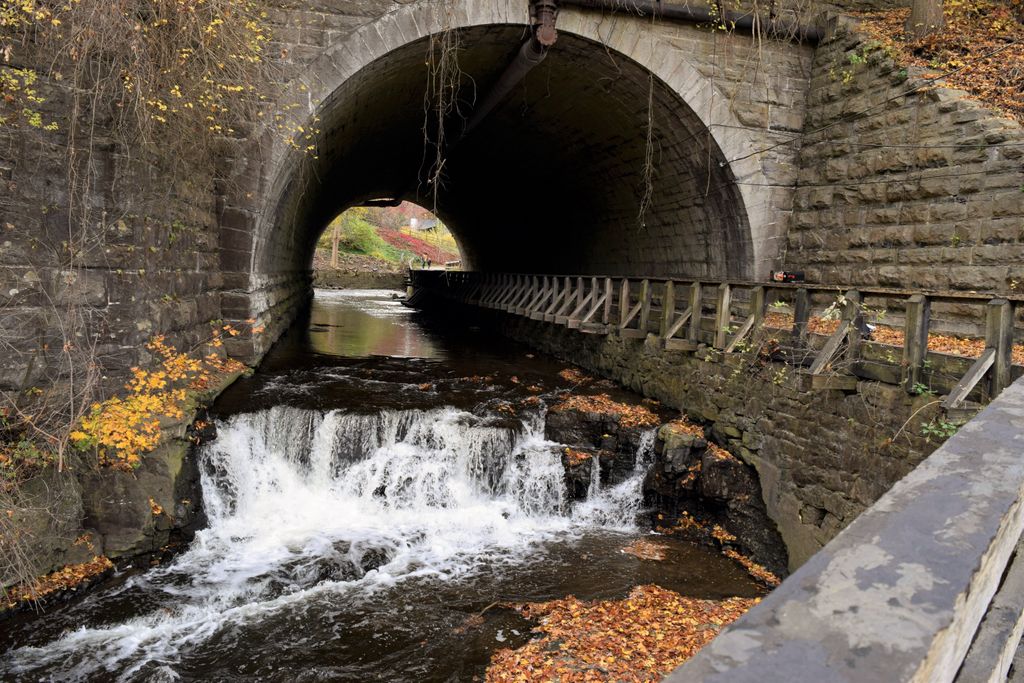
(694, 487)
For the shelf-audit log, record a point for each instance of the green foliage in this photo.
(939, 428)
(359, 236)
(18, 453)
(920, 389)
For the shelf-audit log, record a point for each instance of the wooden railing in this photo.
(679, 315)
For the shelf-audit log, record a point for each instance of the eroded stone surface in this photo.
(898, 594)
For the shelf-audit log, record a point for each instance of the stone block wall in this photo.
(822, 456)
(903, 184)
(143, 261)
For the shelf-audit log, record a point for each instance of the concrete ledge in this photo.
(899, 594)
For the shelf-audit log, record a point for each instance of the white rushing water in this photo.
(301, 503)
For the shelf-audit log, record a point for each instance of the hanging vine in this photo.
(441, 98)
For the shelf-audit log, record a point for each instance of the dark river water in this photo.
(366, 499)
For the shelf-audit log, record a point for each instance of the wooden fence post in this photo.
(668, 308)
(758, 297)
(723, 318)
(853, 313)
(645, 305)
(999, 336)
(696, 294)
(606, 316)
(915, 340)
(801, 313)
(624, 304)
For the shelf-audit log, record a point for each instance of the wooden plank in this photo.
(967, 383)
(633, 312)
(999, 336)
(595, 328)
(696, 294)
(606, 314)
(680, 345)
(723, 317)
(515, 291)
(493, 289)
(571, 303)
(670, 323)
(915, 341)
(624, 304)
(758, 303)
(678, 324)
(574, 317)
(580, 290)
(551, 289)
(529, 295)
(744, 330)
(996, 642)
(668, 309)
(855, 314)
(542, 295)
(645, 306)
(601, 300)
(556, 301)
(801, 313)
(524, 293)
(503, 291)
(828, 351)
(570, 296)
(830, 382)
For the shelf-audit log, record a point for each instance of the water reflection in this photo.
(362, 323)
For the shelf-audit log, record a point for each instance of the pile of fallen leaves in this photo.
(753, 568)
(644, 549)
(719, 453)
(683, 425)
(575, 456)
(575, 376)
(685, 524)
(721, 535)
(641, 638)
(778, 321)
(602, 404)
(981, 48)
(943, 343)
(968, 347)
(689, 526)
(68, 578)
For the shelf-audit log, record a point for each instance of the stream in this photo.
(367, 497)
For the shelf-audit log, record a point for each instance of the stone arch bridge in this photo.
(547, 168)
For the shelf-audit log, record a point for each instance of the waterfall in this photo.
(302, 504)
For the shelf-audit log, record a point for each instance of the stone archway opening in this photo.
(552, 180)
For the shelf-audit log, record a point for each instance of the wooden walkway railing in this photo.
(685, 315)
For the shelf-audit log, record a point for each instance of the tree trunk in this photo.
(925, 18)
(335, 238)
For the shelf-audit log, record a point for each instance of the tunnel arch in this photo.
(549, 182)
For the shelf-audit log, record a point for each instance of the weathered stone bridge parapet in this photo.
(923, 586)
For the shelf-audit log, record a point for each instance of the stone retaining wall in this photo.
(885, 196)
(823, 457)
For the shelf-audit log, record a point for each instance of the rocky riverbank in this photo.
(355, 271)
(694, 487)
